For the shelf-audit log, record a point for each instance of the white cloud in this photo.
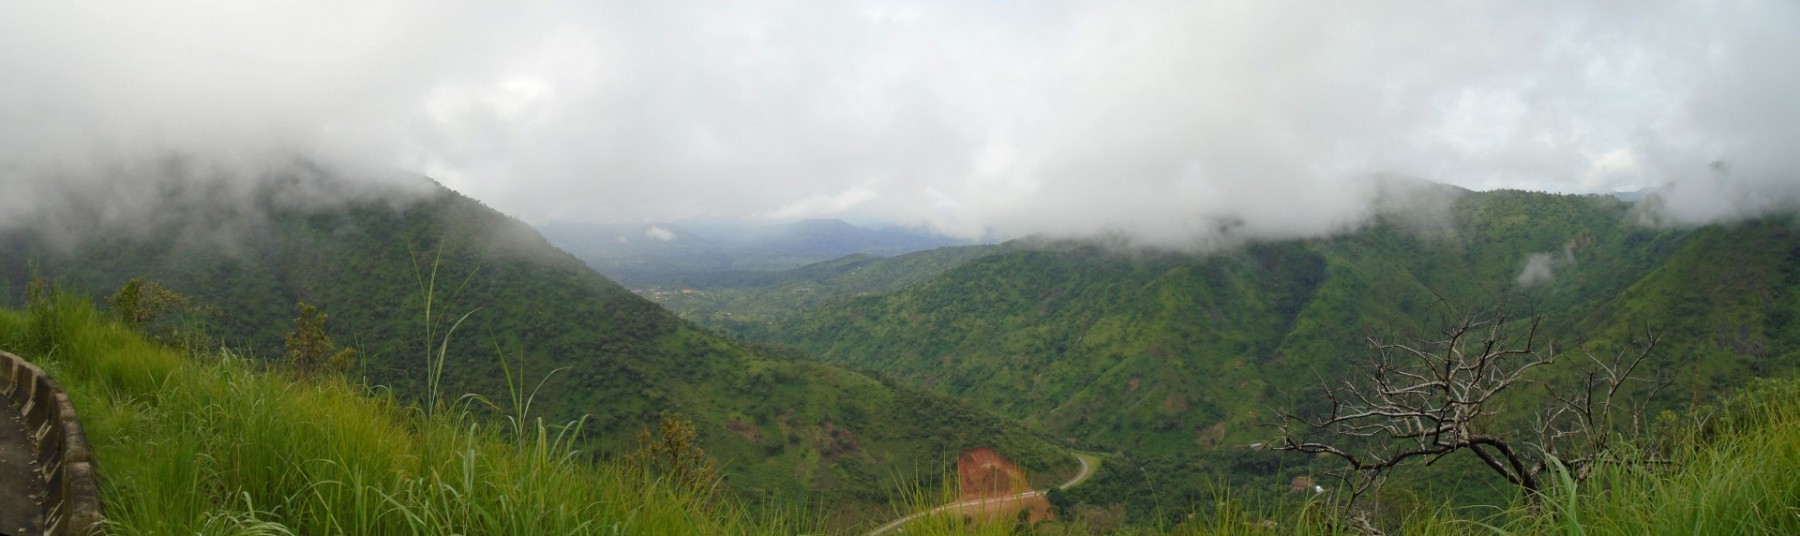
(1163, 120)
(659, 233)
(821, 206)
(1539, 269)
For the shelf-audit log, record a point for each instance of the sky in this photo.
(1167, 122)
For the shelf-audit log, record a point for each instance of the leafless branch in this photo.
(1425, 401)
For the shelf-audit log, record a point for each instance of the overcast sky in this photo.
(1155, 119)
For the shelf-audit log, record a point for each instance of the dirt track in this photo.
(985, 504)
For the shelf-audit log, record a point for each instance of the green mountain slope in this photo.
(1725, 303)
(794, 428)
(1162, 353)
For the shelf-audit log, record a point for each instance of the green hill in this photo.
(1180, 360)
(1161, 352)
(211, 443)
(1726, 298)
(797, 429)
(206, 442)
(1170, 362)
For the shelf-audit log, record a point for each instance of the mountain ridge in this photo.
(792, 428)
(1050, 332)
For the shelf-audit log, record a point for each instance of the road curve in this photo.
(1086, 471)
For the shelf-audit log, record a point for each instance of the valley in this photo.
(1222, 268)
(442, 297)
(1185, 360)
(846, 381)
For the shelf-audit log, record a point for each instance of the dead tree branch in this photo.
(1422, 402)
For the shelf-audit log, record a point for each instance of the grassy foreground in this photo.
(1735, 470)
(215, 444)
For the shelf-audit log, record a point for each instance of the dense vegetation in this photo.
(1170, 363)
(400, 278)
(1180, 359)
(1156, 350)
(211, 443)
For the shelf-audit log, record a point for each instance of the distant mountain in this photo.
(648, 254)
(1632, 196)
(747, 302)
(792, 428)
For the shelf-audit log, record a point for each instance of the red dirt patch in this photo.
(1301, 483)
(748, 430)
(985, 474)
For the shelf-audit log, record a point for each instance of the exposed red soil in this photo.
(747, 430)
(985, 474)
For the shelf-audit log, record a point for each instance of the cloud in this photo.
(1174, 123)
(1538, 270)
(1733, 156)
(822, 206)
(200, 202)
(659, 233)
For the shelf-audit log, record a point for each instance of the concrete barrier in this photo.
(64, 458)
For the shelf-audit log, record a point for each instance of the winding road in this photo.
(1087, 470)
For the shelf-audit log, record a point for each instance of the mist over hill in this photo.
(1193, 347)
(401, 275)
(1182, 356)
(785, 219)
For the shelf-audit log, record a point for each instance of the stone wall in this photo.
(67, 463)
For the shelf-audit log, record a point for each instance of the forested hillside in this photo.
(1165, 351)
(1170, 361)
(1186, 358)
(400, 278)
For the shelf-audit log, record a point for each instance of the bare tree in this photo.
(1422, 402)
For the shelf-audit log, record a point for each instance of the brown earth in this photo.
(990, 478)
(747, 430)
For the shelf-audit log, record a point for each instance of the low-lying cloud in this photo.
(659, 233)
(1539, 269)
(1174, 123)
(201, 202)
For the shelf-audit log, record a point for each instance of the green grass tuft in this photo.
(216, 444)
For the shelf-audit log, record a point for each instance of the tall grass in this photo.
(212, 443)
(1737, 474)
(1735, 469)
(215, 444)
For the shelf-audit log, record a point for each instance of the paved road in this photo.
(20, 486)
(1087, 470)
